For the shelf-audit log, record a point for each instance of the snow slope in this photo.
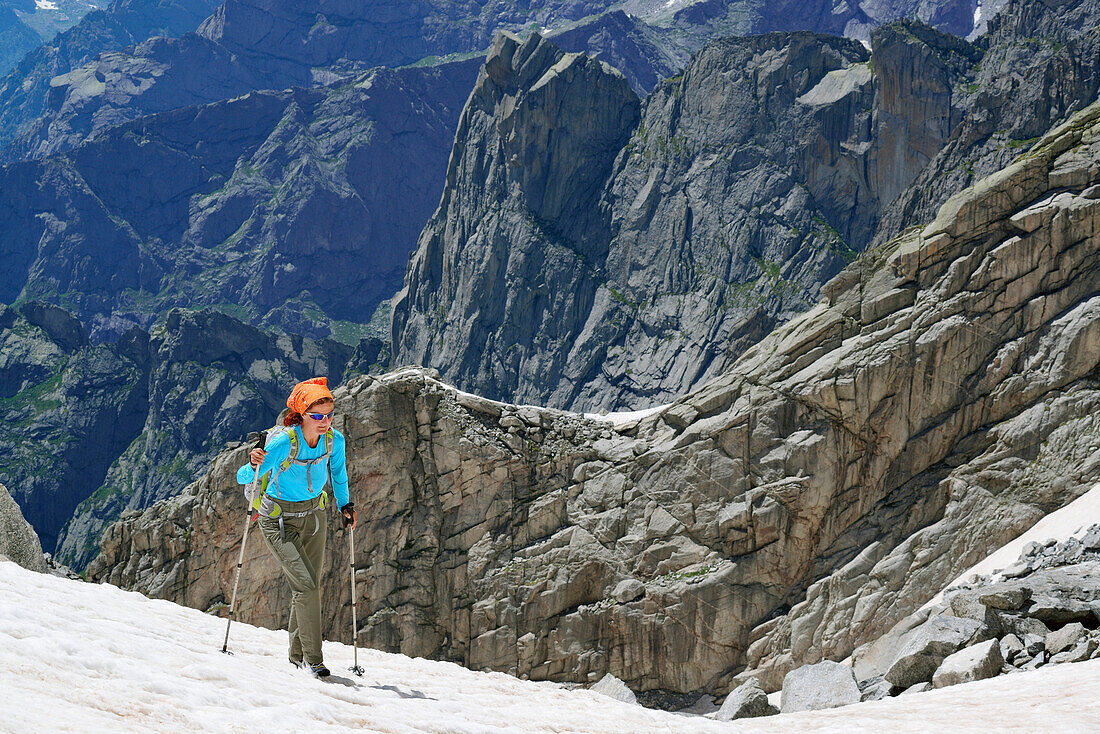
(1060, 525)
(88, 658)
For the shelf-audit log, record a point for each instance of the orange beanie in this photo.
(307, 393)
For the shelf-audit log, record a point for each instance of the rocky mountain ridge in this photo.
(939, 401)
(746, 183)
(263, 186)
(24, 89)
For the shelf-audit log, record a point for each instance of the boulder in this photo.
(875, 689)
(1064, 638)
(612, 687)
(748, 700)
(1011, 646)
(18, 541)
(1009, 599)
(977, 662)
(823, 685)
(628, 590)
(1034, 644)
(916, 688)
(937, 638)
(1084, 649)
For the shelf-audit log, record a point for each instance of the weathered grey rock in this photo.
(933, 641)
(872, 659)
(976, 662)
(1027, 628)
(875, 689)
(612, 687)
(1038, 661)
(628, 590)
(18, 541)
(994, 107)
(823, 685)
(916, 688)
(1064, 638)
(1034, 644)
(1084, 649)
(1009, 599)
(600, 337)
(1011, 646)
(748, 700)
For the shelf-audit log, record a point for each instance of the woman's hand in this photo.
(257, 457)
(348, 512)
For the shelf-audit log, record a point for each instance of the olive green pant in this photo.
(300, 551)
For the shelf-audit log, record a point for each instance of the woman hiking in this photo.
(299, 460)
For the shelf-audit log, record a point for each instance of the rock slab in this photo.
(824, 685)
(748, 700)
(976, 662)
(18, 541)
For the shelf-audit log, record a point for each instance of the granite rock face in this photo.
(940, 401)
(745, 184)
(18, 541)
(1038, 64)
(535, 144)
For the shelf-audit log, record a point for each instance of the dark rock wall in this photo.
(68, 409)
(294, 209)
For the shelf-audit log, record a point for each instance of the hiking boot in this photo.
(319, 670)
(295, 663)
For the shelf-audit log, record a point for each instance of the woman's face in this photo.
(319, 416)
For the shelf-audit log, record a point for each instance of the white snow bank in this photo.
(88, 658)
(1060, 525)
(625, 416)
(617, 418)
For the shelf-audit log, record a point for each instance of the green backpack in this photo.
(292, 459)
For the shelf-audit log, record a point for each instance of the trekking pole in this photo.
(244, 539)
(354, 623)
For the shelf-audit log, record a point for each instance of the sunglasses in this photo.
(321, 416)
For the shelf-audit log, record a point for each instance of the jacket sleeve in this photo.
(338, 464)
(277, 451)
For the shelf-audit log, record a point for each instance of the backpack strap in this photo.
(293, 460)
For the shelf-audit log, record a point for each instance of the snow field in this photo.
(92, 658)
(1060, 525)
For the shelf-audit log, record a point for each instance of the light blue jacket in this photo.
(291, 485)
